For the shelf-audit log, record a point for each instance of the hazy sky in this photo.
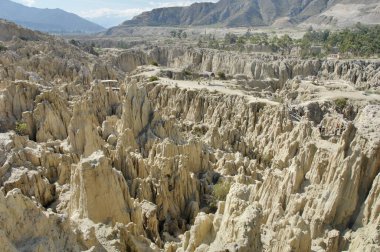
(107, 12)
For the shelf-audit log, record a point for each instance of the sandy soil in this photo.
(228, 87)
(334, 89)
(224, 87)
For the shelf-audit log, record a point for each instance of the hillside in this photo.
(46, 20)
(238, 13)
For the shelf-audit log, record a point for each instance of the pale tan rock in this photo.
(28, 227)
(240, 225)
(202, 232)
(14, 100)
(83, 135)
(100, 193)
(31, 184)
(259, 68)
(150, 221)
(134, 165)
(51, 117)
(136, 110)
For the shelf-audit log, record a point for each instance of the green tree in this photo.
(230, 39)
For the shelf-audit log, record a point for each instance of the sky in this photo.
(107, 12)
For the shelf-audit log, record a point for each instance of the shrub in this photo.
(74, 42)
(340, 103)
(219, 193)
(3, 48)
(154, 63)
(21, 128)
(221, 190)
(222, 75)
(153, 78)
(187, 72)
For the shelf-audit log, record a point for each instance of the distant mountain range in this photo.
(46, 20)
(245, 13)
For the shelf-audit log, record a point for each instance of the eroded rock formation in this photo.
(363, 74)
(135, 167)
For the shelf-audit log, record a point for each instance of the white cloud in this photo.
(108, 12)
(130, 12)
(29, 2)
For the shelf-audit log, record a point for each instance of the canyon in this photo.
(124, 151)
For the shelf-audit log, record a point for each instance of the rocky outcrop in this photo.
(154, 166)
(147, 156)
(43, 59)
(83, 134)
(237, 220)
(25, 226)
(15, 100)
(9, 30)
(364, 74)
(51, 117)
(91, 198)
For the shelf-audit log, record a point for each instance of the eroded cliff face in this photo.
(141, 161)
(134, 167)
(364, 74)
(51, 61)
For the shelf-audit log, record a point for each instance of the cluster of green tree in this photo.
(209, 41)
(283, 44)
(360, 41)
(181, 34)
(233, 42)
